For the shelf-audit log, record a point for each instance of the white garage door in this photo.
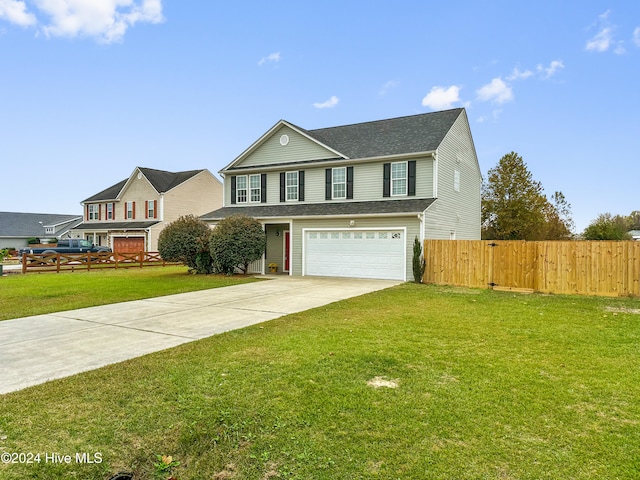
(355, 253)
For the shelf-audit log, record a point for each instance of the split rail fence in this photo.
(57, 262)
(605, 268)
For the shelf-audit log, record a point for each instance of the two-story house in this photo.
(129, 216)
(349, 200)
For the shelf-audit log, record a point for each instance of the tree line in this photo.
(515, 207)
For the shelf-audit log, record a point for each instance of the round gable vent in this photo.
(284, 140)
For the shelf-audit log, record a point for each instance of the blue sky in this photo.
(90, 89)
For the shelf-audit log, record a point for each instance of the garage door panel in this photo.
(358, 254)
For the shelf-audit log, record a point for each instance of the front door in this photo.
(287, 252)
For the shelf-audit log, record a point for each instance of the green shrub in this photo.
(236, 242)
(186, 240)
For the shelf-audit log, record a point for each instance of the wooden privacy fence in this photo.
(57, 262)
(607, 268)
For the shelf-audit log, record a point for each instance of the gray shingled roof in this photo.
(116, 225)
(161, 180)
(24, 225)
(383, 207)
(394, 136)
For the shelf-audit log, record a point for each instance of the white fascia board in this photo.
(335, 162)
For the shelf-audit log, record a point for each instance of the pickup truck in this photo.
(72, 245)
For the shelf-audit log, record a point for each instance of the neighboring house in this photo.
(635, 235)
(129, 216)
(349, 201)
(17, 228)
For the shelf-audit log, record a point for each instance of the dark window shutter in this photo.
(155, 209)
(263, 188)
(301, 186)
(133, 210)
(327, 185)
(283, 188)
(349, 182)
(233, 189)
(411, 190)
(100, 212)
(146, 209)
(386, 180)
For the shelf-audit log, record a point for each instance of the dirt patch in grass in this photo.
(380, 382)
(635, 311)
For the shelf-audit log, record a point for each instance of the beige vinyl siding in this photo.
(367, 182)
(412, 223)
(299, 148)
(137, 190)
(456, 211)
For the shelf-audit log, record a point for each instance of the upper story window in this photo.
(49, 230)
(110, 211)
(456, 180)
(399, 178)
(94, 212)
(130, 210)
(241, 189)
(151, 209)
(339, 183)
(255, 193)
(249, 188)
(291, 186)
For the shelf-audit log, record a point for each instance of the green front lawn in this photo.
(488, 385)
(37, 293)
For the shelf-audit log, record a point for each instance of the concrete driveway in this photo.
(36, 349)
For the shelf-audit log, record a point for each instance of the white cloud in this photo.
(15, 11)
(604, 39)
(440, 98)
(272, 57)
(551, 70)
(496, 91)
(636, 36)
(332, 102)
(105, 20)
(601, 41)
(390, 85)
(518, 75)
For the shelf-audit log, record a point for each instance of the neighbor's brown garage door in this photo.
(128, 244)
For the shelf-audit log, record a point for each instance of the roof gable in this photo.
(284, 143)
(162, 181)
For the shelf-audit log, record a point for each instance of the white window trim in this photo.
(245, 189)
(250, 189)
(110, 211)
(334, 183)
(129, 210)
(287, 186)
(93, 211)
(406, 179)
(151, 212)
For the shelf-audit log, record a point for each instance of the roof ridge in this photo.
(386, 119)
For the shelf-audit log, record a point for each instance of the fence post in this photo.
(24, 263)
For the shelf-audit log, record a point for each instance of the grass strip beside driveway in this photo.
(35, 294)
(475, 385)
